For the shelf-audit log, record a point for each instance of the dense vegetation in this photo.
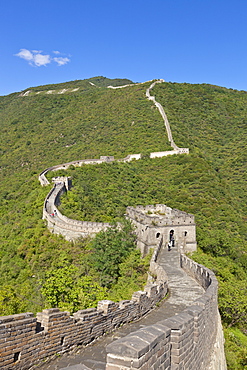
(109, 266)
(41, 130)
(188, 183)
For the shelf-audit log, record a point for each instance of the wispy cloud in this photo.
(25, 54)
(61, 61)
(38, 58)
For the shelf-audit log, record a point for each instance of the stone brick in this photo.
(183, 341)
(121, 361)
(116, 367)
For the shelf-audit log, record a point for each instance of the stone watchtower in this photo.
(177, 228)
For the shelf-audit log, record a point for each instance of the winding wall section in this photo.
(192, 339)
(188, 340)
(72, 229)
(26, 340)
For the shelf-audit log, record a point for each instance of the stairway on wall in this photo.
(183, 290)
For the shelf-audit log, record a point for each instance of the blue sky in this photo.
(52, 41)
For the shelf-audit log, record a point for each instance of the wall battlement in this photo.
(153, 221)
(185, 341)
(60, 224)
(26, 340)
(160, 215)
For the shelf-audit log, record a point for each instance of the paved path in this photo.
(183, 291)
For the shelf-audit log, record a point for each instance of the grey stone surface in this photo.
(183, 291)
(72, 229)
(75, 367)
(184, 343)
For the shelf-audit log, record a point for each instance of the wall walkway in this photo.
(164, 116)
(183, 333)
(72, 229)
(25, 340)
(192, 339)
(186, 296)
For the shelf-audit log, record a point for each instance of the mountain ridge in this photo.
(44, 130)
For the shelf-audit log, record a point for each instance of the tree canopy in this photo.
(41, 130)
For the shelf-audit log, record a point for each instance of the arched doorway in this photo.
(171, 238)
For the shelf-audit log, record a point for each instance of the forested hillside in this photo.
(88, 120)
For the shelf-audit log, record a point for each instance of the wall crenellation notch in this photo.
(187, 340)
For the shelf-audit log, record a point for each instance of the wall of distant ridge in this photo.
(71, 229)
(190, 340)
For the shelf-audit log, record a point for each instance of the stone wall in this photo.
(163, 115)
(153, 221)
(169, 152)
(184, 341)
(60, 224)
(26, 340)
(190, 340)
(106, 159)
(64, 166)
(72, 229)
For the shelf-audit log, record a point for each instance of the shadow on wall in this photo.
(54, 332)
(190, 340)
(187, 340)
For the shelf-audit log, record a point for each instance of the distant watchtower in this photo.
(159, 221)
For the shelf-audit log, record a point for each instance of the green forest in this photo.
(39, 269)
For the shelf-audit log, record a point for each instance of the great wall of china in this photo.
(69, 228)
(189, 336)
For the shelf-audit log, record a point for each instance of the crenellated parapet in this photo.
(154, 221)
(160, 215)
(27, 340)
(191, 339)
(57, 223)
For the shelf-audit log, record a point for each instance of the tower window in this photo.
(17, 356)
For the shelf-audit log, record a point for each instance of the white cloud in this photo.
(41, 60)
(25, 54)
(36, 58)
(61, 61)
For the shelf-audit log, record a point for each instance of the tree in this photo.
(66, 289)
(10, 302)
(233, 302)
(109, 248)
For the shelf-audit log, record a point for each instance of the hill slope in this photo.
(88, 120)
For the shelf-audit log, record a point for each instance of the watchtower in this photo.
(153, 222)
